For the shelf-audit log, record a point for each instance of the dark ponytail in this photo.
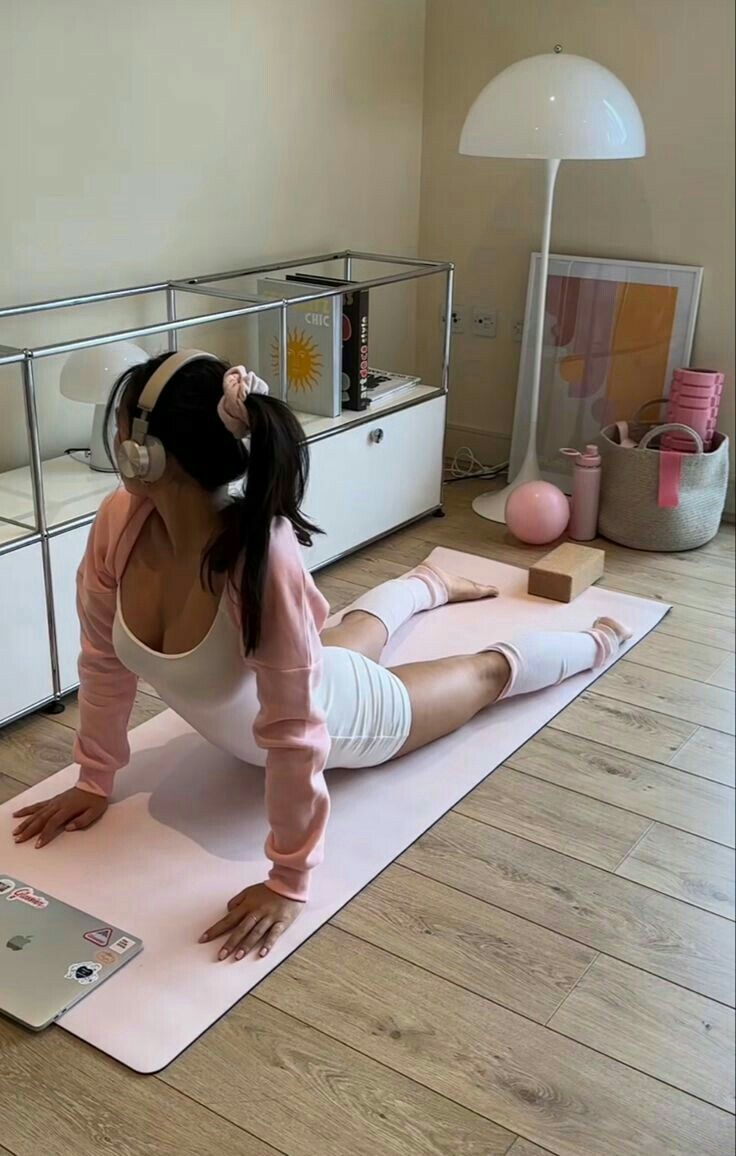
(276, 470)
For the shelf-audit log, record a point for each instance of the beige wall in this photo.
(152, 138)
(145, 139)
(676, 204)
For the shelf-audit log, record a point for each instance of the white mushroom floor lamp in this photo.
(551, 108)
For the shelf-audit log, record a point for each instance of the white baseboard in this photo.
(489, 448)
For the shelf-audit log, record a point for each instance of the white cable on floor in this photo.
(465, 465)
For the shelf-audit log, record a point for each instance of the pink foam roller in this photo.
(694, 400)
(701, 378)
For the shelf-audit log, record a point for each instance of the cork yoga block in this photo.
(566, 572)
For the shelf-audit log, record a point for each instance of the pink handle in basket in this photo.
(670, 463)
(670, 473)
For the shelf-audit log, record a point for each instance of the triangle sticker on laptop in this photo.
(100, 937)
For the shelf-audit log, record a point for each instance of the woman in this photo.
(207, 598)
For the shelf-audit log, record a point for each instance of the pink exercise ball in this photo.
(537, 512)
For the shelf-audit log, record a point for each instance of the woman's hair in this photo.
(276, 469)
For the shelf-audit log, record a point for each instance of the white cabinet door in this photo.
(25, 658)
(366, 481)
(66, 554)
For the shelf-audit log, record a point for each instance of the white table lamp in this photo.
(552, 107)
(88, 375)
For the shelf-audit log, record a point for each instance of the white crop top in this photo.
(209, 687)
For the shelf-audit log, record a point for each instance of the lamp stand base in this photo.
(493, 505)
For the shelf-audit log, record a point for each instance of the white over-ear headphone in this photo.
(142, 456)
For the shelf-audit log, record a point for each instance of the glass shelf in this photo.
(40, 549)
(10, 532)
(71, 490)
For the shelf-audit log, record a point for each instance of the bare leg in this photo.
(447, 693)
(358, 631)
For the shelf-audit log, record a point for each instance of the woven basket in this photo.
(652, 500)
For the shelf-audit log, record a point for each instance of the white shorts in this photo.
(366, 707)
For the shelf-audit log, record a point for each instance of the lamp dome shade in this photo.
(554, 106)
(89, 374)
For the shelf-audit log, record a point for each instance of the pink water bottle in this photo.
(586, 492)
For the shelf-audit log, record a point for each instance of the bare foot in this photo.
(622, 632)
(461, 589)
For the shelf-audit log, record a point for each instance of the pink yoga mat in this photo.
(187, 827)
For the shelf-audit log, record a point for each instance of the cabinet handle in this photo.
(376, 436)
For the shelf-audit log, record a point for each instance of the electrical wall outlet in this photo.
(517, 330)
(458, 319)
(485, 321)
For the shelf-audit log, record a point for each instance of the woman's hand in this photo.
(72, 810)
(256, 918)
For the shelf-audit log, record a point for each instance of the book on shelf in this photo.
(354, 338)
(383, 384)
(314, 351)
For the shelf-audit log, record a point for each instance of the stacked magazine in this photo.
(383, 384)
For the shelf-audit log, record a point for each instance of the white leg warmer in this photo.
(395, 602)
(546, 658)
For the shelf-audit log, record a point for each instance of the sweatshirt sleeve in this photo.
(289, 726)
(107, 689)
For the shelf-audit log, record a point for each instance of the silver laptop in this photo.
(52, 955)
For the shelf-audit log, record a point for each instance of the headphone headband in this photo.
(154, 387)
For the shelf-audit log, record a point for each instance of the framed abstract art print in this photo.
(614, 331)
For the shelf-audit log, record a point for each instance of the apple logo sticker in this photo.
(18, 942)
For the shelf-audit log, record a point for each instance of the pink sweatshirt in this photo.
(287, 667)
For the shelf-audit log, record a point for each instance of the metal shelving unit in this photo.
(216, 285)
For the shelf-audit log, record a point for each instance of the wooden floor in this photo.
(548, 970)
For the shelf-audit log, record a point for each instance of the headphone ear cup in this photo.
(155, 456)
(128, 456)
(145, 462)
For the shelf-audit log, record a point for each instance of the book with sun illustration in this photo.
(314, 359)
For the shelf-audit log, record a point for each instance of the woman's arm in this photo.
(107, 689)
(290, 726)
